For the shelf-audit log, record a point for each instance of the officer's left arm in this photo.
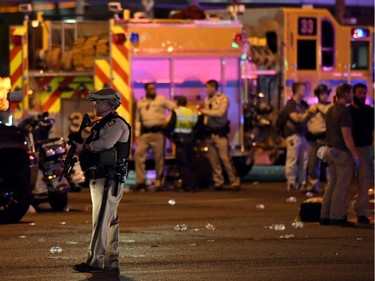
(109, 135)
(137, 121)
(195, 117)
(171, 124)
(219, 110)
(168, 104)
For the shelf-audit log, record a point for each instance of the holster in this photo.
(96, 173)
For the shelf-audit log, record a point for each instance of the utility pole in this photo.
(340, 10)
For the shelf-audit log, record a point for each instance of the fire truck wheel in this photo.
(58, 201)
(15, 195)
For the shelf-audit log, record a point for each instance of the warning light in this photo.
(134, 37)
(119, 38)
(359, 33)
(237, 40)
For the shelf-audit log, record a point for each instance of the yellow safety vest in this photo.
(186, 118)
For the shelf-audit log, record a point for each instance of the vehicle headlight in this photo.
(50, 152)
(60, 150)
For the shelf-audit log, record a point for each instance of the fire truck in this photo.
(281, 46)
(53, 65)
(256, 58)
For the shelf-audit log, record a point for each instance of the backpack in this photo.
(281, 120)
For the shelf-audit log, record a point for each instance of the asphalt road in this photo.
(241, 247)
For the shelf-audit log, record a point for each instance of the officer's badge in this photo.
(111, 123)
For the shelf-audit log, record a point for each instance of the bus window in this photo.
(359, 55)
(306, 54)
(328, 48)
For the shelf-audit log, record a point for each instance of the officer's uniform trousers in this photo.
(362, 181)
(103, 248)
(218, 155)
(335, 195)
(155, 141)
(297, 153)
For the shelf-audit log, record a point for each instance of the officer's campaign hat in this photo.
(104, 94)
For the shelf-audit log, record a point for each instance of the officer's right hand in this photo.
(199, 108)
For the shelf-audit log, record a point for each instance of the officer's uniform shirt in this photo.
(215, 111)
(151, 112)
(115, 130)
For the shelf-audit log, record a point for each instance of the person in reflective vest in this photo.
(182, 122)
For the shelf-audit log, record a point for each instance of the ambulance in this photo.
(281, 46)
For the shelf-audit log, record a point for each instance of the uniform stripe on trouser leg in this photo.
(111, 255)
(226, 160)
(218, 151)
(98, 225)
(213, 158)
(157, 142)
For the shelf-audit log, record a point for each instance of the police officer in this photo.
(149, 133)
(182, 122)
(102, 156)
(217, 127)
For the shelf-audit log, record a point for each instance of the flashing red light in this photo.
(16, 40)
(238, 38)
(119, 38)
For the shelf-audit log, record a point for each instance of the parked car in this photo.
(18, 172)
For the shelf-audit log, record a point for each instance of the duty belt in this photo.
(154, 129)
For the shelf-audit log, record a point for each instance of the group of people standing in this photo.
(347, 134)
(345, 129)
(151, 127)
